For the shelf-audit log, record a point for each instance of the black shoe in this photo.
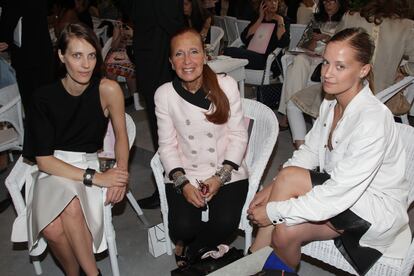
(5, 204)
(151, 202)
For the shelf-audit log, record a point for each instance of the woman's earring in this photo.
(205, 61)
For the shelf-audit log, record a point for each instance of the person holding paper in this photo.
(66, 128)
(202, 143)
(262, 36)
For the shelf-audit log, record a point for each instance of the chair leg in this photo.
(110, 240)
(168, 245)
(137, 209)
(37, 267)
(247, 239)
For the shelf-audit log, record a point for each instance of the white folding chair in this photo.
(262, 140)
(296, 32)
(11, 112)
(24, 173)
(327, 252)
(216, 34)
(232, 29)
(241, 25)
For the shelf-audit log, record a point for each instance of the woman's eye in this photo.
(194, 52)
(178, 54)
(76, 55)
(92, 56)
(340, 67)
(325, 62)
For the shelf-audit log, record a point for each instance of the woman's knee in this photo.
(54, 232)
(73, 210)
(293, 181)
(282, 238)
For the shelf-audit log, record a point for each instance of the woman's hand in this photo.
(258, 215)
(115, 194)
(193, 195)
(261, 197)
(214, 185)
(262, 11)
(3, 46)
(115, 177)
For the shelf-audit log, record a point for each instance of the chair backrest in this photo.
(102, 35)
(296, 31)
(262, 138)
(241, 25)
(11, 109)
(406, 133)
(106, 48)
(109, 140)
(232, 30)
(219, 22)
(216, 34)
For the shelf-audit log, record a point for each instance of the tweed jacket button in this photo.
(209, 135)
(194, 166)
(194, 152)
(191, 137)
(211, 150)
(212, 165)
(187, 122)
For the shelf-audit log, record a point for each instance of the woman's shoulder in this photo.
(164, 90)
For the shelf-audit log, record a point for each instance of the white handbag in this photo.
(156, 240)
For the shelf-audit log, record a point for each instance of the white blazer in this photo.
(366, 165)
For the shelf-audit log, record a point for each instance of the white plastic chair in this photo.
(219, 22)
(261, 143)
(241, 25)
(11, 112)
(327, 252)
(24, 173)
(216, 34)
(232, 29)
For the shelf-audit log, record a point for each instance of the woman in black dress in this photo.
(66, 128)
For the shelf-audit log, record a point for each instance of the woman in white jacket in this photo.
(359, 194)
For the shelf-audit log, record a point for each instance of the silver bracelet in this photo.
(224, 175)
(179, 183)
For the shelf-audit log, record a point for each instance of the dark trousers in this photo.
(224, 216)
(256, 61)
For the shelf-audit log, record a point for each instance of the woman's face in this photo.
(341, 72)
(188, 7)
(272, 6)
(331, 6)
(79, 60)
(187, 57)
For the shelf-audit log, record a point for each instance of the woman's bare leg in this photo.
(132, 85)
(79, 237)
(288, 240)
(60, 247)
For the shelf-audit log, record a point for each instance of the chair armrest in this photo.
(237, 43)
(387, 93)
(270, 58)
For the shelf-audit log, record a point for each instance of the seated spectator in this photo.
(66, 128)
(297, 74)
(117, 61)
(305, 12)
(347, 182)
(387, 21)
(202, 143)
(279, 38)
(197, 17)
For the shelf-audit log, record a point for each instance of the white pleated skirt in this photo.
(49, 196)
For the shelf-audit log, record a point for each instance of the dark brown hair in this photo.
(364, 47)
(221, 107)
(80, 31)
(376, 10)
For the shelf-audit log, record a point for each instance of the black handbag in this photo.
(269, 94)
(316, 75)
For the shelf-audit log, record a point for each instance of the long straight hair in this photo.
(220, 112)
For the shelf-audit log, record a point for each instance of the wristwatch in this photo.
(88, 176)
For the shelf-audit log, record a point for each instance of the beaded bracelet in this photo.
(224, 175)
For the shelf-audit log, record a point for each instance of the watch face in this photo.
(88, 176)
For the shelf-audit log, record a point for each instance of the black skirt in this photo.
(361, 258)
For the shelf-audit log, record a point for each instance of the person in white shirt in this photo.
(358, 196)
(305, 12)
